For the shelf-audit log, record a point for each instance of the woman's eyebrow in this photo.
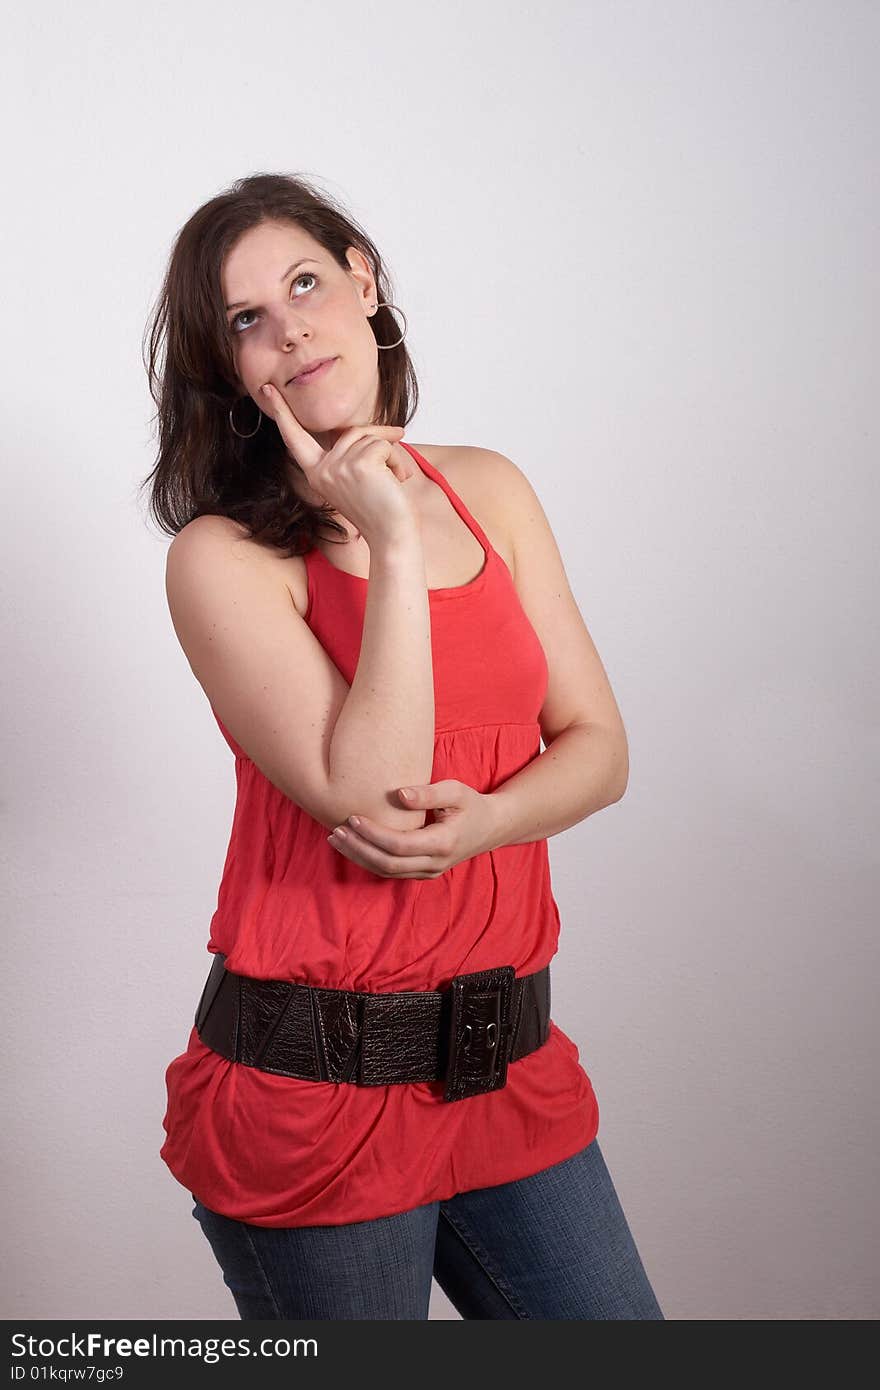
(290, 269)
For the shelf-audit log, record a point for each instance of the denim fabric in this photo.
(552, 1245)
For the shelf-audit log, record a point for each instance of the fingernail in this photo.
(355, 821)
(266, 390)
(407, 792)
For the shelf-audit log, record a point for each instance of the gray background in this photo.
(636, 246)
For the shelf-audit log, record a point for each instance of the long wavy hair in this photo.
(202, 467)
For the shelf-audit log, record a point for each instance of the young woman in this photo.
(373, 1092)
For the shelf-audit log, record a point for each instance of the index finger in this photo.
(302, 445)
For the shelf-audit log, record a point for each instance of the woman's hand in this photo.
(465, 823)
(360, 476)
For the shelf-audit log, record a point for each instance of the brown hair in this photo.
(202, 466)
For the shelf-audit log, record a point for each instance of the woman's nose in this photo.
(290, 325)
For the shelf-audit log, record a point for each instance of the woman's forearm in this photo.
(384, 736)
(585, 768)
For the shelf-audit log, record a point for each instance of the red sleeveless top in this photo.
(279, 1151)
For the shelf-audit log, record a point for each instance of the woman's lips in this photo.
(307, 377)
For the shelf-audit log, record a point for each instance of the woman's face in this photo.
(285, 314)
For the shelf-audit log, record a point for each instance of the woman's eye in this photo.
(306, 275)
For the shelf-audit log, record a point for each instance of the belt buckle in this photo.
(480, 1032)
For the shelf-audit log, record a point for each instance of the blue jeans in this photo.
(553, 1245)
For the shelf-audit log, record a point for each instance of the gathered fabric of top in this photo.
(280, 1151)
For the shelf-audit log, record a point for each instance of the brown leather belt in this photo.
(466, 1034)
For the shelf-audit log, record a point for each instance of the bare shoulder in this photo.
(478, 476)
(492, 466)
(459, 462)
(483, 470)
(208, 533)
(209, 553)
(505, 491)
(211, 525)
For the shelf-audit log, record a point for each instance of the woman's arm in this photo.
(585, 764)
(384, 735)
(584, 769)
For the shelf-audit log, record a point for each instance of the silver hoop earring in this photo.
(232, 422)
(389, 305)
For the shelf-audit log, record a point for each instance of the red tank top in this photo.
(279, 1151)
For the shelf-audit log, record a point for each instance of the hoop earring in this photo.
(389, 305)
(232, 422)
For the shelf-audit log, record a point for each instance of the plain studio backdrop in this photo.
(636, 247)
